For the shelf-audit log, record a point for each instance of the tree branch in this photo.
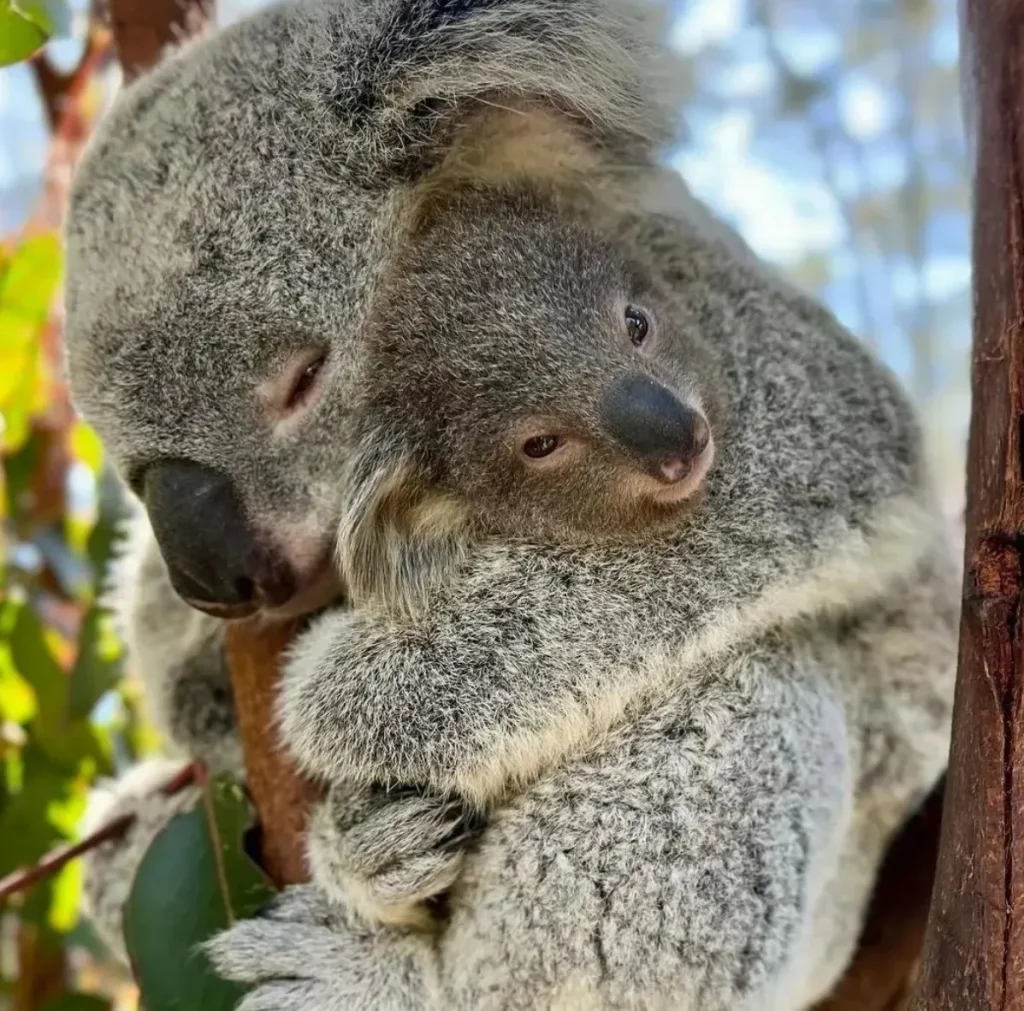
(281, 795)
(19, 881)
(58, 89)
(974, 951)
(143, 29)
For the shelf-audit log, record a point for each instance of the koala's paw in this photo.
(305, 954)
(109, 869)
(198, 707)
(389, 854)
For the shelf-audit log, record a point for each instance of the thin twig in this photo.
(20, 881)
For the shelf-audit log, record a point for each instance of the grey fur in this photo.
(693, 744)
(387, 853)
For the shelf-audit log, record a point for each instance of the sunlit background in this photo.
(827, 131)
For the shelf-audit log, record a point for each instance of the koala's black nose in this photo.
(214, 558)
(651, 423)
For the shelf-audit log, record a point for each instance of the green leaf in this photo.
(24, 27)
(62, 20)
(99, 664)
(17, 700)
(194, 881)
(35, 662)
(86, 446)
(53, 904)
(32, 275)
(36, 817)
(27, 291)
(78, 1002)
(18, 470)
(73, 744)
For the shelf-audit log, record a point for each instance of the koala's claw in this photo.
(386, 853)
(304, 954)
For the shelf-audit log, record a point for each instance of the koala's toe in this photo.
(401, 831)
(295, 996)
(417, 879)
(386, 852)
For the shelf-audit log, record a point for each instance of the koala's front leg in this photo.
(491, 684)
(391, 854)
(681, 867)
(178, 653)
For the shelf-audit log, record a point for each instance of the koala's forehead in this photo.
(513, 288)
(207, 234)
(493, 317)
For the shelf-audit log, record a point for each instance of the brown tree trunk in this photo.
(282, 797)
(974, 952)
(144, 28)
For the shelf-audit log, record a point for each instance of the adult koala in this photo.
(691, 747)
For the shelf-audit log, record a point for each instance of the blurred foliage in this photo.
(67, 713)
(830, 135)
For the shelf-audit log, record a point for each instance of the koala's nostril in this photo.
(674, 470)
(245, 588)
(651, 423)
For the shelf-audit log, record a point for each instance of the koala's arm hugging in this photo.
(690, 750)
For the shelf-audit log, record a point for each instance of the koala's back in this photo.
(762, 750)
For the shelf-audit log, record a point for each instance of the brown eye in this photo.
(540, 446)
(304, 383)
(637, 325)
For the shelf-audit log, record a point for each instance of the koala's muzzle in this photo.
(652, 424)
(215, 560)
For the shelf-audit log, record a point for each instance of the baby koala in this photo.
(521, 378)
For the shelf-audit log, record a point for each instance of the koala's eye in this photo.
(540, 446)
(637, 325)
(304, 383)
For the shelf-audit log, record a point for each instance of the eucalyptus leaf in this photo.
(25, 27)
(194, 881)
(77, 1002)
(99, 664)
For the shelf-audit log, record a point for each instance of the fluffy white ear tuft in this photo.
(399, 538)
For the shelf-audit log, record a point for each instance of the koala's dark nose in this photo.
(214, 558)
(651, 423)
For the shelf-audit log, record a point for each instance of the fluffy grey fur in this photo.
(691, 748)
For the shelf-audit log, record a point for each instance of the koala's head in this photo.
(216, 263)
(526, 375)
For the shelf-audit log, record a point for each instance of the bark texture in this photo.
(974, 951)
(281, 795)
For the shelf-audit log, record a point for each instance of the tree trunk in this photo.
(144, 28)
(974, 951)
(282, 797)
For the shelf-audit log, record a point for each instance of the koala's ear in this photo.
(399, 538)
(413, 79)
